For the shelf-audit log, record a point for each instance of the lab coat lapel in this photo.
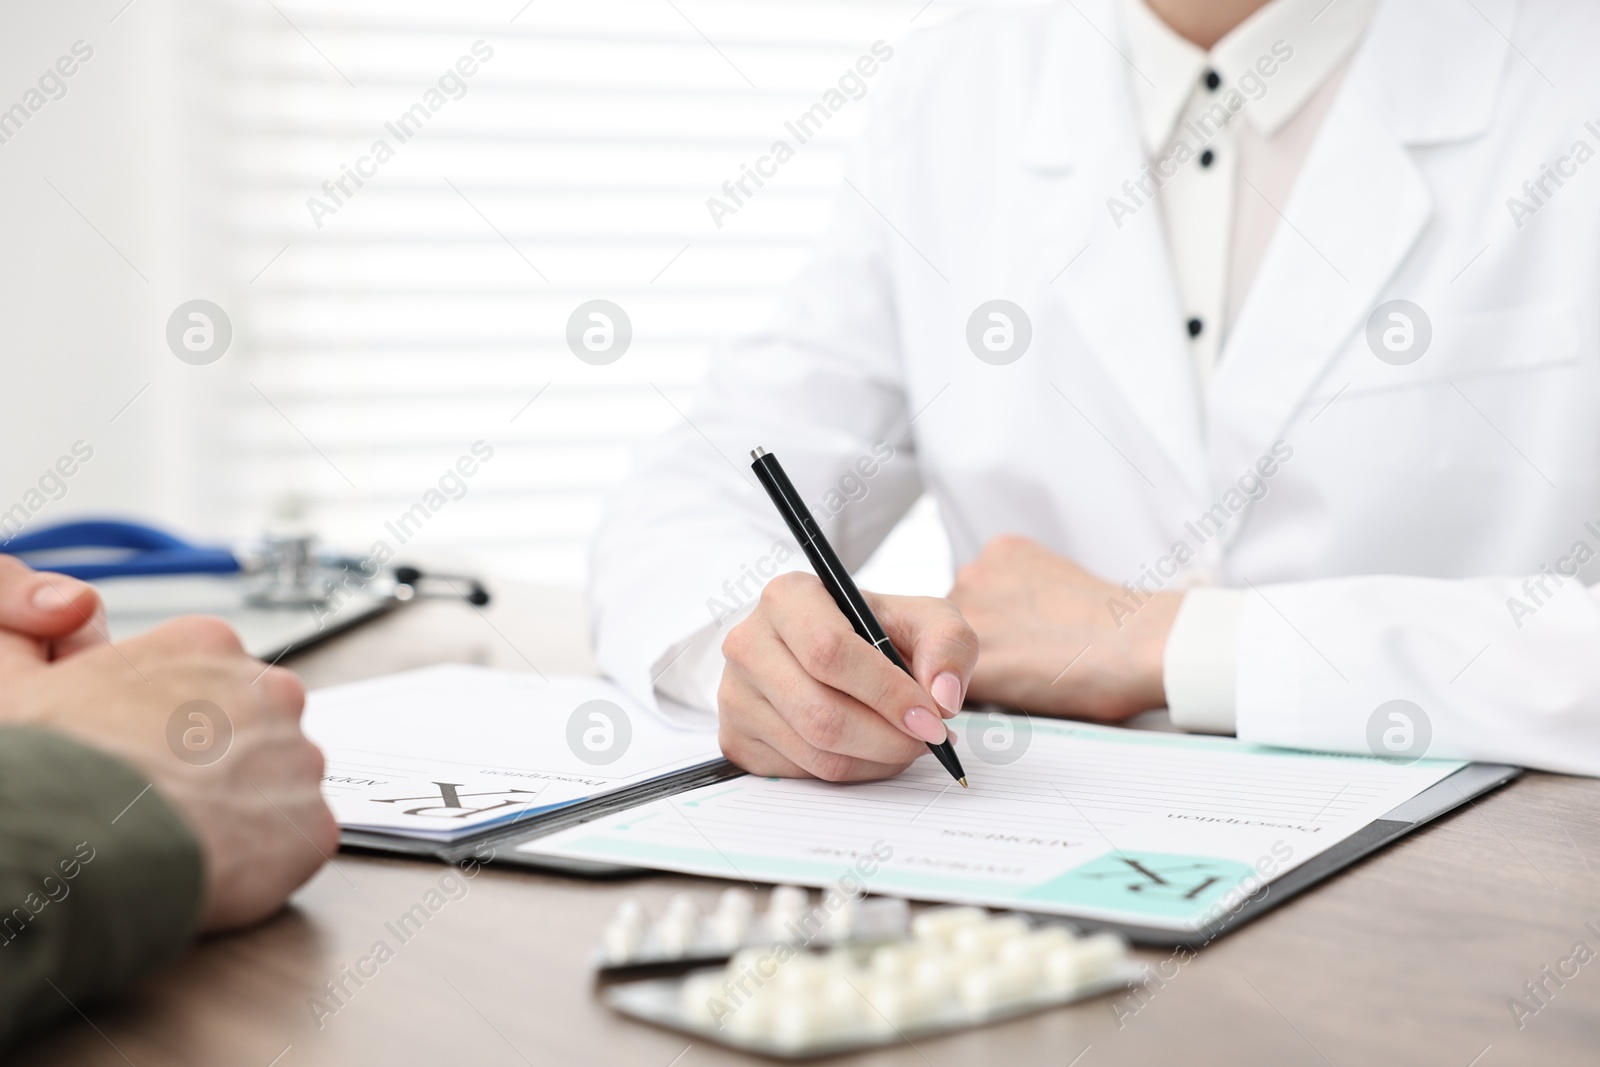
(1355, 213)
(1081, 143)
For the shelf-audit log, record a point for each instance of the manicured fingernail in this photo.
(926, 725)
(946, 689)
(56, 593)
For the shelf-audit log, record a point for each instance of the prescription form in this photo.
(1154, 829)
(453, 750)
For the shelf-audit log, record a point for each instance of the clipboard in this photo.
(1173, 850)
(269, 633)
(498, 846)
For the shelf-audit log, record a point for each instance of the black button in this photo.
(1195, 326)
(1212, 80)
(1207, 158)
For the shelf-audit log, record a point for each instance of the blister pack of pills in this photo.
(960, 967)
(685, 936)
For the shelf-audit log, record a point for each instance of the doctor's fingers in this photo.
(756, 756)
(809, 624)
(44, 605)
(751, 722)
(944, 647)
(761, 757)
(824, 716)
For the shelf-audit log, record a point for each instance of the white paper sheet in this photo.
(450, 750)
(1154, 829)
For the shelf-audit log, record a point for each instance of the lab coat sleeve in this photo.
(1494, 673)
(1201, 663)
(688, 540)
(692, 670)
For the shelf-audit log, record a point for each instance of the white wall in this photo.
(82, 313)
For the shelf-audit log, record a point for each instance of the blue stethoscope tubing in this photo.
(149, 551)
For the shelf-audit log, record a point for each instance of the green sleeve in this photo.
(96, 887)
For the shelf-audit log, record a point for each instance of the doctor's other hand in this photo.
(804, 696)
(1051, 643)
(63, 614)
(255, 806)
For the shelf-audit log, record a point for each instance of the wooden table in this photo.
(1408, 958)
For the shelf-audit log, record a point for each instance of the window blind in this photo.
(419, 196)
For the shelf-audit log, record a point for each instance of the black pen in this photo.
(837, 580)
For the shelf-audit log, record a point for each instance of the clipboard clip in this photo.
(412, 578)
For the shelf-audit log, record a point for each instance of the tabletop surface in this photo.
(1412, 956)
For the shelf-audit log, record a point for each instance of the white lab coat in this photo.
(1380, 561)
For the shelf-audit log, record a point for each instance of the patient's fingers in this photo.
(43, 605)
(91, 634)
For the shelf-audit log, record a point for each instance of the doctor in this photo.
(1250, 353)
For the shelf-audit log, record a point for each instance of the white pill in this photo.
(736, 902)
(985, 938)
(839, 961)
(978, 989)
(842, 912)
(993, 988)
(935, 977)
(1072, 966)
(788, 900)
(746, 959)
(1032, 947)
(758, 969)
(1042, 938)
(631, 913)
(747, 1016)
(1101, 953)
(730, 924)
(1059, 969)
(894, 961)
(890, 915)
(940, 923)
(620, 941)
(895, 1005)
(802, 972)
(682, 906)
(841, 994)
(1028, 970)
(798, 1023)
(701, 998)
(729, 931)
(676, 933)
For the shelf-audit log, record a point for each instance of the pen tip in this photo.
(963, 782)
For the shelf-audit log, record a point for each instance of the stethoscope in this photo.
(284, 570)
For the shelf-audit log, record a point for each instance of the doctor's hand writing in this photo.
(1051, 645)
(803, 696)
